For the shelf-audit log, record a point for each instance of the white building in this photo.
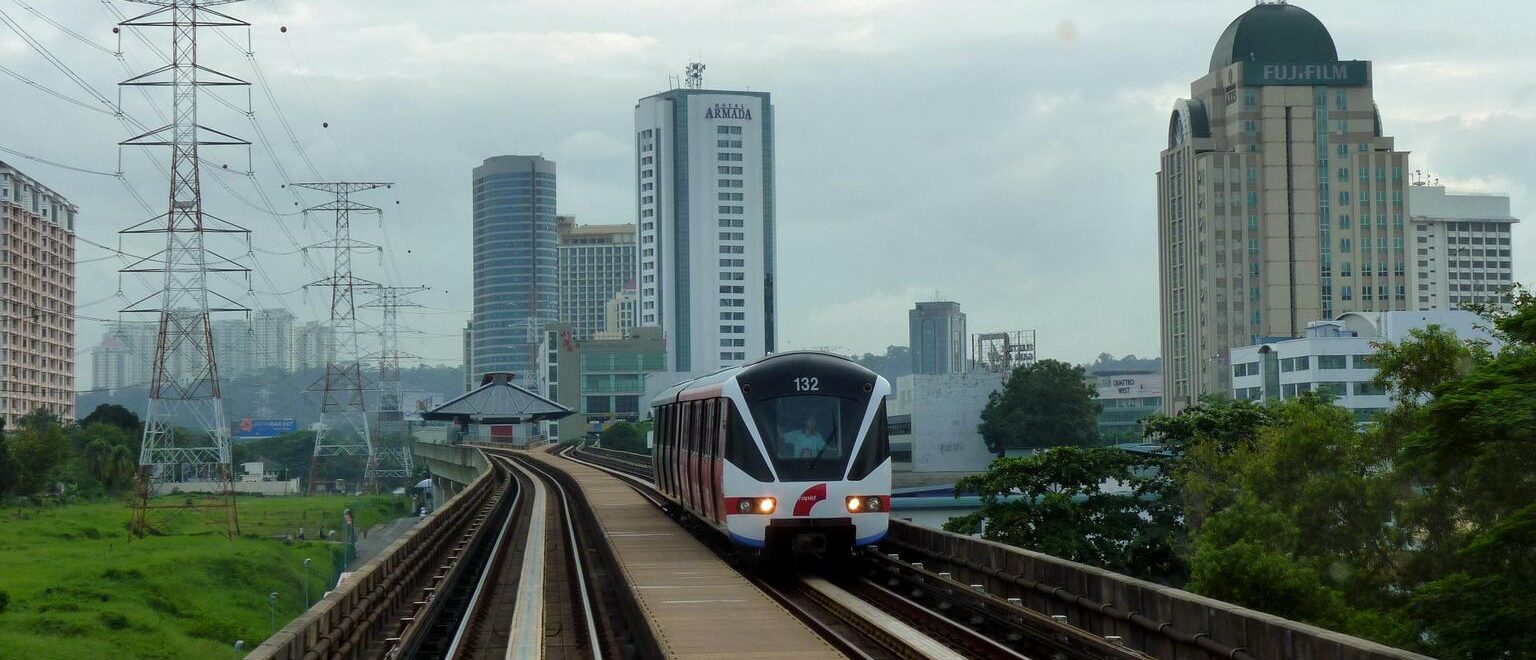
(619, 313)
(1125, 399)
(933, 420)
(314, 346)
(1334, 357)
(705, 171)
(1461, 245)
(272, 336)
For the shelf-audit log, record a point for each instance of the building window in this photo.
(1332, 362)
(727, 156)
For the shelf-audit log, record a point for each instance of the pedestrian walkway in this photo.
(381, 535)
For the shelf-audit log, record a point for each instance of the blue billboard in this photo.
(266, 428)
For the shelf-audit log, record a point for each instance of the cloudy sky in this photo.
(1001, 154)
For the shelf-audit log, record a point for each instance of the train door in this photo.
(692, 441)
(664, 450)
(706, 460)
(717, 466)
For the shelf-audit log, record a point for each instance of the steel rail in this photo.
(474, 604)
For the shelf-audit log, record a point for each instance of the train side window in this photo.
(741, 450)
(874, 451)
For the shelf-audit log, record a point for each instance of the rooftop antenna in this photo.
(694, 74)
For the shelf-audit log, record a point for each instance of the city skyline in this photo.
(1457, 103)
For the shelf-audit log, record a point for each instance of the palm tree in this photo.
(124, 465)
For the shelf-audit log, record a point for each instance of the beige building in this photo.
(37, 289)
(596, 263)
(1461, 245)
(1280, 199)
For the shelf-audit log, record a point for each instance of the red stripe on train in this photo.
(809, 498)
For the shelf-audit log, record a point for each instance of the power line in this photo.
(45, 161)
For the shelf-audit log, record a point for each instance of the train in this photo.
(786, 456)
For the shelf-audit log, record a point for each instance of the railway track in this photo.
(892, 609)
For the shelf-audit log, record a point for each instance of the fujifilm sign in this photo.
(727, 111)
(1353, 73)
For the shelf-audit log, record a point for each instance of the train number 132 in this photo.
(807, 384)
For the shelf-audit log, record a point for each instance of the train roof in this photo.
(670, 394)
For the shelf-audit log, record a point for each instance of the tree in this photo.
(1204, 437)
(8, 474)
(623, 436)
(114, 415)
(39, 448)
(1057, 502)
(1045, 404)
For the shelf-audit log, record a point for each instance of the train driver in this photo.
(806, 442)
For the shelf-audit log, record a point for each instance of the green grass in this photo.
(80, 587)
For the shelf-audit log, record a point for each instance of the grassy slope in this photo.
(81, 588)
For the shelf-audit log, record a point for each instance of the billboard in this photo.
(250, 429)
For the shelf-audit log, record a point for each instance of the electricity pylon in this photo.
(392, 444)
(343, 427)
(185, 437)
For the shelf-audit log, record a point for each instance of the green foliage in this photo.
(1057, 502)
(1429, 357)
(623, 436)
(8, 468)
(1045, 404)
(80, 588)
(293, 451)
(39, 450)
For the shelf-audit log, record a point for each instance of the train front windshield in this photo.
(809, 438)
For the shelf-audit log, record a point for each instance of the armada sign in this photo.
(1350, 73)
(728, 111)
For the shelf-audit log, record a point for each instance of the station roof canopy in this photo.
(497, 401)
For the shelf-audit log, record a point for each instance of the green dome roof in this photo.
(1275, 34)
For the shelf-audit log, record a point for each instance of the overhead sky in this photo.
(996, 153)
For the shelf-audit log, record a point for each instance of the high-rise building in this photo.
(596, 262)
(1280, 199)
(233, 346)
(705, 171)
(516, 266)
(313, 346)
(936, 331)
(1461, 247)
(272, 339)
(37, 363)
(125, 355)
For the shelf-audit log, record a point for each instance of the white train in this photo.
(787, 454)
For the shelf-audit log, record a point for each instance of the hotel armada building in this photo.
(705, 201)
(1280, 199)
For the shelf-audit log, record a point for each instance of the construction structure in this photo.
(343, 429)
(185, 434)
(391, 438)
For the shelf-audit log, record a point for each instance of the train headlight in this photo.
(744, 506)
(872, 504)
(766, 505)
(855, 504)
(868, 504)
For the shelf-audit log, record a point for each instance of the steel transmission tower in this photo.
(185, 434)
(393, 443)
(343, 410)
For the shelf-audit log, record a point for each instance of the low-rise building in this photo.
(933, 420)
(1335, 357)
(1126, 398)
(604, 380)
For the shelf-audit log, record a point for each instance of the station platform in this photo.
(698, 606)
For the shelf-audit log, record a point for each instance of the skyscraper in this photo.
(516, 266)
(1461, 247)
(936, 331)
(1280, 199)
(313, 346)
(705, 172)
(37, 298)
(596, 262)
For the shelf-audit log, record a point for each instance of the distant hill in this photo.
(286, 395)
(897, 361)
(1108, 363)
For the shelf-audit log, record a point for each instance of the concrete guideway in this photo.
(695, 605)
